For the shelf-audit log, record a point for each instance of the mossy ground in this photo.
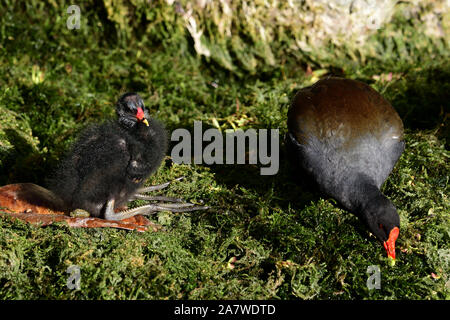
(288, 241)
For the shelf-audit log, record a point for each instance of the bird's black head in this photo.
(131, 110)
(384, 222)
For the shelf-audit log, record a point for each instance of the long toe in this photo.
(157, 198)
(181, 207)
(157, 187)
(152, 208)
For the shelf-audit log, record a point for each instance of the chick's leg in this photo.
(148, 209)
(174, 205)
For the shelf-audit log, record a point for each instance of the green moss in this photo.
(287, 241)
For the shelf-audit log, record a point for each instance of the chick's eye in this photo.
(132, 106)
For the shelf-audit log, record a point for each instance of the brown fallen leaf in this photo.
(36, 205)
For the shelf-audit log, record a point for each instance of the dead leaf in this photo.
(29, 202)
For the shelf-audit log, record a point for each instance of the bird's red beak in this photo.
(141, 116)
(389, 245)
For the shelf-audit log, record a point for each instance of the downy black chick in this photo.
(108, 164)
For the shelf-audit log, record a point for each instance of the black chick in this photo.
(347, 138)
(109, 162)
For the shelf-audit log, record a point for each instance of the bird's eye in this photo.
(131, 105)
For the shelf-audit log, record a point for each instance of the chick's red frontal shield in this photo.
(141, 116)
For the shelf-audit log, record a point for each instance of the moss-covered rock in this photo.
(253, 36)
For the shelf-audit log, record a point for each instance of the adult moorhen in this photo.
(347, 138)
